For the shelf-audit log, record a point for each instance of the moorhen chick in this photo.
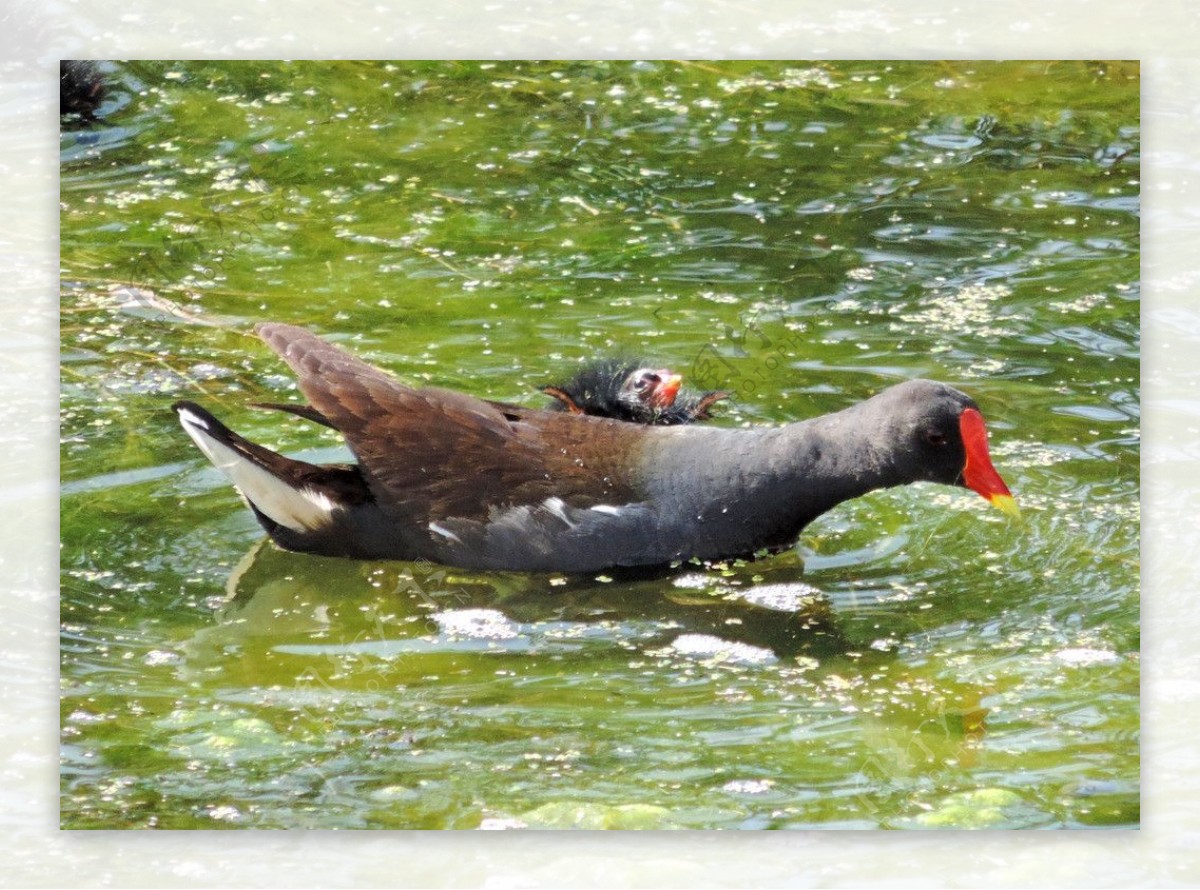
(630, 392)
(458, 480)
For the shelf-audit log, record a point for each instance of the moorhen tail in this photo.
(466, 482)
(627, 391)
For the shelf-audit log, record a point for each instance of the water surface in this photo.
(799, 235)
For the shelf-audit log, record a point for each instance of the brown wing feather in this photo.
(308, 412)
(421, 445)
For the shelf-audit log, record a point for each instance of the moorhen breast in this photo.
(631, 392)
(458, 480)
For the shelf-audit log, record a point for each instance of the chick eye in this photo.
(935, 437)
(645, 380)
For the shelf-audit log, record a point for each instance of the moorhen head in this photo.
(458, 480)
(630, 392)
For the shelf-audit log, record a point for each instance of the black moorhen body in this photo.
(628, 391)
(80, 88)
(457, 480)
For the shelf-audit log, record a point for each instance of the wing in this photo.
(308, 412)
(434, 455)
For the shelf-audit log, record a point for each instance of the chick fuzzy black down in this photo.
(634, 392)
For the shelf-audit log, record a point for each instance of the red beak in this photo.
(978, 473)
(665, 393)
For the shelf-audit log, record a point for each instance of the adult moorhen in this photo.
(81, 88)
(457, 480)
(627, 391)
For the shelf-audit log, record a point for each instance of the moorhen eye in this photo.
(935, 437)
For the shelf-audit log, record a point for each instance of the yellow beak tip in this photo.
(1006, 504)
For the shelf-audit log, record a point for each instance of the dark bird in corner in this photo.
(458, 480)
(632, 392)
(80, 88)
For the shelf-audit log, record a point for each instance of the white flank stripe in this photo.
(299, 510)
(607, 508)
(444, 532)
(558, 507)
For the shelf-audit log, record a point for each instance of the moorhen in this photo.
(458, 480)
(81, 88)
(627, 391)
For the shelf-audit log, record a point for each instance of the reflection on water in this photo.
(431, 609)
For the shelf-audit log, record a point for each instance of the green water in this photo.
(799, 235)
